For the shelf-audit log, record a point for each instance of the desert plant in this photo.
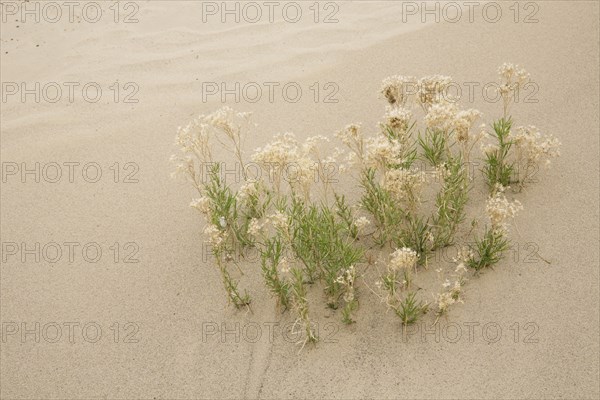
(306, 238)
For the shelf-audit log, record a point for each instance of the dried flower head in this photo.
(500, 210)
(432, 89)
(405, 184)
(216, 236)
(512, 79)
(403, 258)
(533, 146)
(346, 279)
(255, 227)
(441, 116)
(248, 190)
(381, 152)
(279, 221)
(398, 118)
(463, 123)
(397, 89)
(202, 204)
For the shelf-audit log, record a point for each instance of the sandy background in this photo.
(161, 303)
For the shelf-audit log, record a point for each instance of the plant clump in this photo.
(414, 181)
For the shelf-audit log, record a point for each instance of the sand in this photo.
(167, 306)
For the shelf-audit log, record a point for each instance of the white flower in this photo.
(202, 204)
(489, 149)
(432, 89)
(279, 220)
(511, 76)
(249, 189)
(312, 143)
(463, 122)
(255, 227)
(349, 134)
(397, 89)
(403, 258)
(216, 237)
(499, 210)
(346, 279)
(534, 146)
(441, 116)
(398, 118)
(444, 301)
(404, 184)
(275, 157)
(381, 152)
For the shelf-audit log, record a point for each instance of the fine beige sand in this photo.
(164, 306)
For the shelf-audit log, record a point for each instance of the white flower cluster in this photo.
(405, 184)
(463, 123)
(512, 79)
(346, 279)
(452, 291)
(441, 116)
(350, 135)
(446, 117)
(403, 258)
(194, 139)
(441, 111)
(533, 146)
(512, 76)
(300, 165)
(432, 89)
(279, 220)
(275, 156)
(248, 190)
(444, 301)
(397, 89)
(202, 204)
(398, 118)
(499, 210)
(216, 236)
(381, 152)
(255, 227)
